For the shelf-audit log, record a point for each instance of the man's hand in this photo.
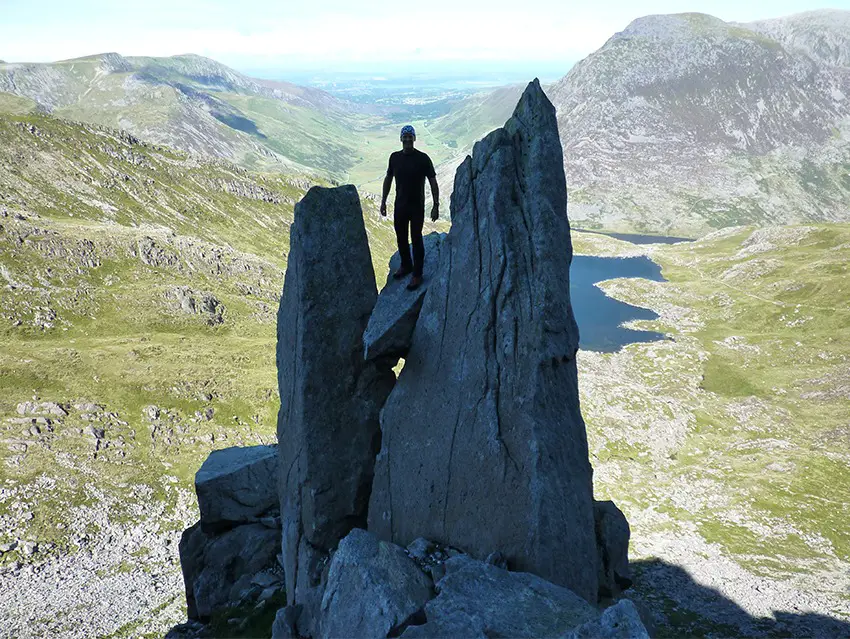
(435, 212)
(383, 209)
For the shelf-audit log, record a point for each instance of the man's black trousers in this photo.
(412, 219)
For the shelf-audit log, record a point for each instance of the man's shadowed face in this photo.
(407, 141)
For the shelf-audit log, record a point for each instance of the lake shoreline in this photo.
(638, 238)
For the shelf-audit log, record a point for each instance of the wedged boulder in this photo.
(328, 429)
(612, 543)
(373, 587)
(391, 325)
(237, 485)
(620, 621)
(215, 566)
(481, 600)
(482, 436)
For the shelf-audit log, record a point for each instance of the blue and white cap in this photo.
(407, 129)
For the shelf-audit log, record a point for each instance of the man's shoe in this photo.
(400, 273)
(415, 282)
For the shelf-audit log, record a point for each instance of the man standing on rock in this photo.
(410, 167)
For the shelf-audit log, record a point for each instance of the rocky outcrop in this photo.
(218, 570)
(480, 600)
(390, 328)
(484, 447)
(373, 587)
(612, 543)
(198, 303)
(237, 485)
(482, 464)
(233, 549)
(378, 589)
(328, 428)
(620, 621)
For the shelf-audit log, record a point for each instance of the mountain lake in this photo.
(600, 318)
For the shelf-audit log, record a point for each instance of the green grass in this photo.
(762, 312)
(118, 336)
(15, 104)
(258, 623)
(756, 379)
(726, 379)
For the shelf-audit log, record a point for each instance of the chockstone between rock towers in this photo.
(456, 500)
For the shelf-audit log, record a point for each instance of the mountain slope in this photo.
(726, 446)
(475, 116)
(824, 35)
(138, 297)
(683, 122)
(197, 105)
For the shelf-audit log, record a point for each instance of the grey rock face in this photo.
(612, 542)
(199, 303)
(372, 588)
(484, 446)
(193, 541)
(328, 428)
(285, 624)
(391, 325)
(620, 621)
(821, 34)
(685, 111)
(216, 566)
(420, 549)
(481, 600)
(237, 485)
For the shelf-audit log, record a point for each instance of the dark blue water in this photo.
(600, 317)
(634, 238)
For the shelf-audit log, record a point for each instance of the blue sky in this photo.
(344, 34)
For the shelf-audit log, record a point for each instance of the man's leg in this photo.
(401, 222)
(417, 219)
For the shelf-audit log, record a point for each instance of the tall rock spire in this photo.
(330, 397)
(484, 446)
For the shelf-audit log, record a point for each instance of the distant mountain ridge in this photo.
(824, 35)
(194, 104)
(678, 124)
(681, 123)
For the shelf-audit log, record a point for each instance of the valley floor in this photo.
(725, 445)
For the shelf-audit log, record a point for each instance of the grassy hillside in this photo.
(68, 172)
(16, 105)
(475, 116)
(726, 446)
(198, 105)
(138, 295)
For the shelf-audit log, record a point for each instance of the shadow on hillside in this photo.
(680, 607)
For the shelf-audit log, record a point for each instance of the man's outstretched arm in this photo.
(435, 196)
(388, 182)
